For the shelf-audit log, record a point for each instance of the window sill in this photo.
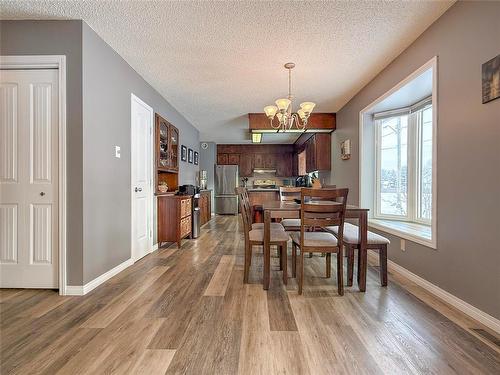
(415, 232)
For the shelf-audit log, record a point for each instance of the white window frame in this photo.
(378, 150)
(414, 137)
(418, 162)
(432, 242)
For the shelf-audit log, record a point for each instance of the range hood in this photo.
(264, 171)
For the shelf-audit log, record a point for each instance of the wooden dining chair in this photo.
(320, 208)
(374, 242)
(255, 237)
(290, 194)
(242, 193)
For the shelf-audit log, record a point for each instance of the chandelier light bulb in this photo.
(301, 114)
(270, 111)
(283, 104)
(307, 107)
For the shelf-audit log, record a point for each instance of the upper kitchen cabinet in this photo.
(233, 159)
(222, 159)
(284, 165)
(318, 153)
(258, 160)
(246, 166)
(167, 145)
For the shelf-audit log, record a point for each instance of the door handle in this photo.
(138, 189)
(42, 193)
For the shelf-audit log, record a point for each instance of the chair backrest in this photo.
(322, 208)
(246, 212)
(289, 193)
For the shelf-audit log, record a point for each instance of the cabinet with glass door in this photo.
(167, 145)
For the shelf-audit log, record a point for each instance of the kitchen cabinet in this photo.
(246, 166)
(270, 161)
(205, 204)
(222, 159)
(228, 159)
(174, 218)
(233, 159)
(258, 161)
(284, 166)
(282, 158)
(318, 153)
(167, 145)
(259, 197)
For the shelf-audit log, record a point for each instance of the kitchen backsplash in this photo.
(280, 181)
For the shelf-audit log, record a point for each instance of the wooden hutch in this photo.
(174, 211)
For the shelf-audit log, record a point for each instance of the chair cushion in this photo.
(274, 226)
(291, 223)
(315, 239)
(351, 235)
(257, 235)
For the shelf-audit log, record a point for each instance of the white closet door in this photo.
(141, 164)
(29, 178)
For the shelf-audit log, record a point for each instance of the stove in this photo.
(264, 184)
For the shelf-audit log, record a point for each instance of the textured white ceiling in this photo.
(217, 61)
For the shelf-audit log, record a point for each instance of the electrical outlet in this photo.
(117, 152)
(403, 245)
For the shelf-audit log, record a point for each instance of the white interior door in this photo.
(141, 163)
(29, 178)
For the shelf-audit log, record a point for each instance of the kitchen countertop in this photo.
(262, 189)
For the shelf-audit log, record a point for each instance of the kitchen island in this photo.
(257, 196)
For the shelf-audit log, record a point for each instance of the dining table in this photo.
(277, 209)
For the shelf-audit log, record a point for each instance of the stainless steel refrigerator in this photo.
(226, 180)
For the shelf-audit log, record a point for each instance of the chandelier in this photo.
(282, 111)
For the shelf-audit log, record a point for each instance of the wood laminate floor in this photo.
(187, 311)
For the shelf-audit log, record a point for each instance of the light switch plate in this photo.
(117, 151)
(403, 245)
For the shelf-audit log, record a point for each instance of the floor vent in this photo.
(488, 336)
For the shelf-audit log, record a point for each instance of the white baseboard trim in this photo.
(81, 290)
(74, 290)
(155, 247)
(472, 311)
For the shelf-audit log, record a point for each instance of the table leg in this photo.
(267, 250)
(363, 234)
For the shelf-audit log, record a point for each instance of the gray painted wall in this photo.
(208, 158)
(59, 38)
(99, 85)
(467, 260)
(108, 82)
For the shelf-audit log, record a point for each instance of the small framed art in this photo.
(183, 153)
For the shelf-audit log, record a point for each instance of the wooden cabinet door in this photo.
(209, 206)
(258, 161)
(284, 165)
(162, 146)
(222, 159)
(233, 159)
(270, 160)
(203, 209)
(322, 148)
(246, 166)
(173, 147)
(295, 164)
(311, 155)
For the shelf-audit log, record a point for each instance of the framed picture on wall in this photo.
(196, 157)
(183, 153)
(190, 156)
(491, 79)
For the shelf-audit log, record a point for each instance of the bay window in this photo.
(403, 176)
